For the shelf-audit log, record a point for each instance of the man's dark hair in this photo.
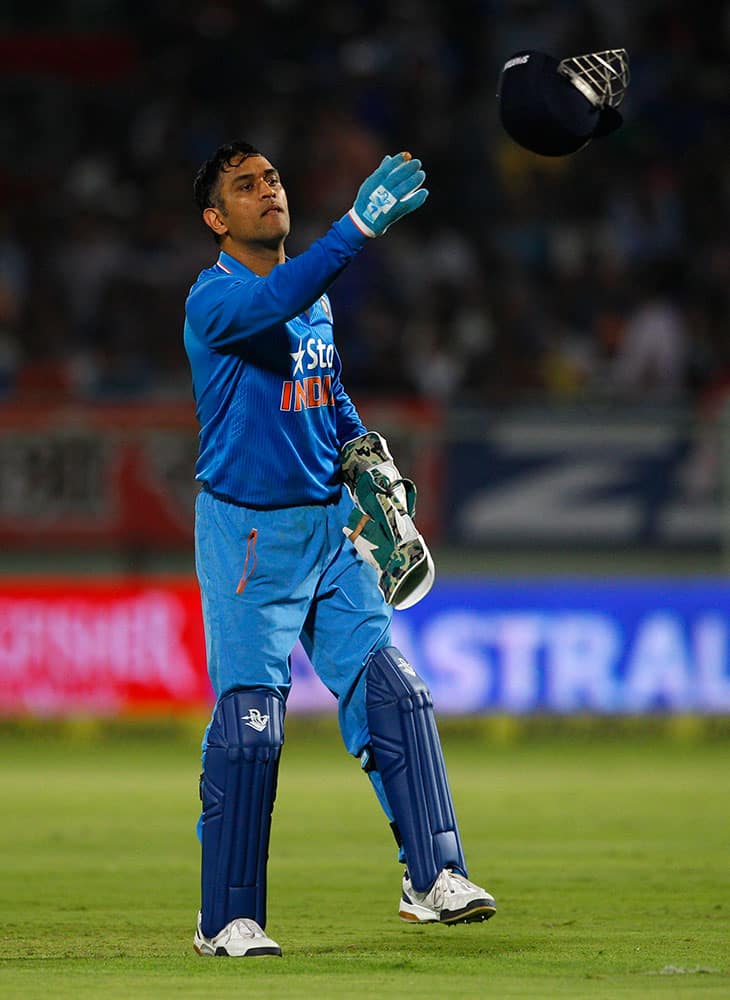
(205, 185)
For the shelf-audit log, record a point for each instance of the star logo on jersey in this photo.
(256, 720)
(298, 359)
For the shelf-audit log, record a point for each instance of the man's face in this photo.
(252, 204)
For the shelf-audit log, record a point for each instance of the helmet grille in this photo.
(602, 77)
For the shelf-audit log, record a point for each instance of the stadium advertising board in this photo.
(100, 648)
(84, 475)
(574, 646)
(576, 479)
(617, 646)
(122, 474)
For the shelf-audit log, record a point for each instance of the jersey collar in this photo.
(230, 265)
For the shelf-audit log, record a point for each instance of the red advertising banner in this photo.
(114, 646)
(123, 474)
(83, 475)
(101, 648)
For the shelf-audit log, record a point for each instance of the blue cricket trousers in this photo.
(270, 577)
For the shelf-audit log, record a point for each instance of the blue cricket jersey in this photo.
(266, 376)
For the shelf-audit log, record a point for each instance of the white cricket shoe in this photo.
(242, 938)
(452, 899)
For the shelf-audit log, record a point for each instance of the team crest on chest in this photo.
(309, 391)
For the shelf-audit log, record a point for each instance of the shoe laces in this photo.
(440, 888)
(447, 883)
(245, 927)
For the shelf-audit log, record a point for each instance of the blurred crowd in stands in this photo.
(605, 275)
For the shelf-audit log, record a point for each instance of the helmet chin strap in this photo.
(602, 77)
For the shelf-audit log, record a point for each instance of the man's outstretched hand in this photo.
(389, 193)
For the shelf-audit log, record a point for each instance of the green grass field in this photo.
(608, 852)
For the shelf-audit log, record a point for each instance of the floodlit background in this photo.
(545, 344)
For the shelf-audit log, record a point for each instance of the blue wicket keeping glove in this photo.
(389, 193)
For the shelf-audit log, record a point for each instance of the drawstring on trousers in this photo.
(250, 552)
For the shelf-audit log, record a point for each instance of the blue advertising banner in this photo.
(583, 481)
(563, 646)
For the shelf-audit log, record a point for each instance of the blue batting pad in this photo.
(238, 789)
(408, 755)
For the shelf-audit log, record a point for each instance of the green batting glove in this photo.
(389, 193)
(381, 526)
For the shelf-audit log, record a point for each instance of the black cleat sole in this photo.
(251, 953)
(470, 915)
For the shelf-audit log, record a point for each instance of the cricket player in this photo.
(304, 531)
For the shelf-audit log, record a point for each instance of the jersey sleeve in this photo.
(349, 425)
(225, 310)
